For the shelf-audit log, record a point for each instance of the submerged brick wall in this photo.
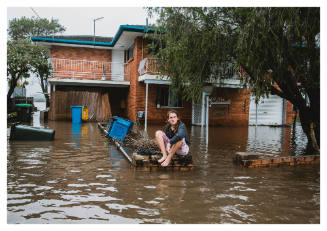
(289, 113)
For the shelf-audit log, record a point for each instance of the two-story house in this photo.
(115, 76)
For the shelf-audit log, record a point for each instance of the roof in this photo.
(84, 40)
(80, 38)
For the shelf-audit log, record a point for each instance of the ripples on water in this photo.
(81, 178)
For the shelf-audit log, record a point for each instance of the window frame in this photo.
(170, 102)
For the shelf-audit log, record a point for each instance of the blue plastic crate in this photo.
(130, 126)
(110, 123)
(119, 127)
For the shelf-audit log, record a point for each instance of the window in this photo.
(167, 98)
(129, 53)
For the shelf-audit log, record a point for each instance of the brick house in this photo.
(115, 76)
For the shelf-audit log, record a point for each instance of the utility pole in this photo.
(94, 27)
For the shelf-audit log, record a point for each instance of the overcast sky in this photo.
(79, 20)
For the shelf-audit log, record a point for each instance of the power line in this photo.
(35, 12)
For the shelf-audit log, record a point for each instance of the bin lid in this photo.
(24, 105)
(123, 121)
(76, 106)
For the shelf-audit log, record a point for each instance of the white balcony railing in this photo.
(150, 66)
(90, 70)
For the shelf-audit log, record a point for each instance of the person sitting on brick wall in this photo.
(173, 140)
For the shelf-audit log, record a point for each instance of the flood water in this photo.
(81, 178)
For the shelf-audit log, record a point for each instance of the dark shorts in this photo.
(183, 150)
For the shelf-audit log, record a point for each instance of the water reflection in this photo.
(264, 138)
(76, 134)
(52, 182)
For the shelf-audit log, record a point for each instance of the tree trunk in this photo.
(294, 119)
(47, 100)
(11, 90)
(308, 128)
(45, 92)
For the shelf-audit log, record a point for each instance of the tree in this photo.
(24, 28)
(277, 47)
(20, 31)
(42, 68)
(18, 63)
(192, 47)
(281, 46)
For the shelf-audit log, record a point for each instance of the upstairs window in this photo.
(129, 53)
(166, 97)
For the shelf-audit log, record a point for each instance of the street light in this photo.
(94, 27)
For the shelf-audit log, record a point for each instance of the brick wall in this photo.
(238, 112)
(158, 115)
(136, 96)
(71, 68)
(81, 53)
(289, 113)
(136, 91)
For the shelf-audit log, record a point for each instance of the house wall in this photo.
(158, 115)
(289, 113)
(238, 113)
(71, 68)
(102, 102)
(136, 96)
(81, 53)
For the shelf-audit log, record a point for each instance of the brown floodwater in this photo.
(81, 178)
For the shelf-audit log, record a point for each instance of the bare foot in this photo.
(166, 162)
(162, 159)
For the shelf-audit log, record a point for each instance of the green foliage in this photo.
(193, 47)
(11, 115)
(201, 43)
(18, 60)
(24, 28)
(274, 40)
(24, 57)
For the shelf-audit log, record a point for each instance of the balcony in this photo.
(92, 72)
(149, 66)
(149, 73)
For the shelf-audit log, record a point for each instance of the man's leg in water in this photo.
(161, 145)
(171, 153)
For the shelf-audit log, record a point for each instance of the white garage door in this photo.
(270, 111)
